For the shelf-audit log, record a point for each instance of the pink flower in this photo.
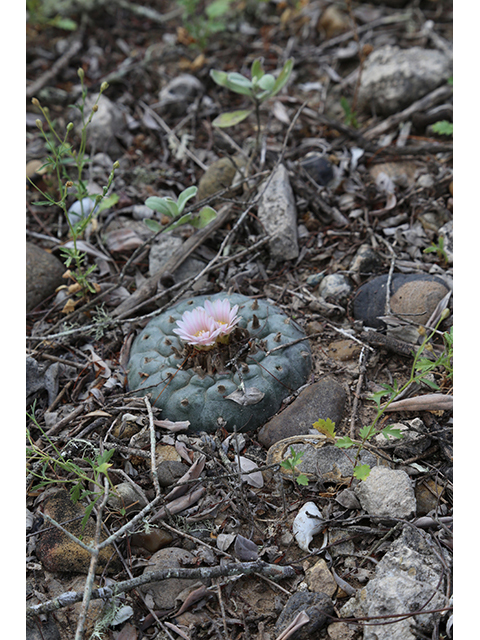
(198, 328)
(225, 318)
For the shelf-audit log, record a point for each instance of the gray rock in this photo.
(318, 167)
(278, 214)
(165, 592)
(43, 274)
(335, 288)
(162, 250)
(324, 399)
(169, 471)
(415, 295)
(366, 261)
(387, 493)
(317, 606)
(127, 496)
(179, 93)
(107, 123)
(406, 578)
(394, 78)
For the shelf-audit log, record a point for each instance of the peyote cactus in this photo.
(235, 384)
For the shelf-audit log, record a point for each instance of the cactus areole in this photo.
(239, 381)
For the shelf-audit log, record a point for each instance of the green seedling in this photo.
(291, 463)
(174, 209)
(327, 427)
(202, 21)
(261, 87)
(443, 128)
(421, 371)
(38, 16)
(438, 249)
(61, 159)
(67, 472)
(350, 116)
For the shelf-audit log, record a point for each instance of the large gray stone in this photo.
(407, 578)
(44, 274)
(387, 493)
(278, 214)
(393, 78)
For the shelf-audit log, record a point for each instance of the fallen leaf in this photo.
(254, 479)
(247, 397)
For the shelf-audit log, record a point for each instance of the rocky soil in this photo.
(337, 210)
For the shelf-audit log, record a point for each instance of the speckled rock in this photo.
(57, 552)
(278, 215)
(317, 606)
(335, 288)
(410, 574)
(320, 579)
(323, 399)
(165, 592)
(415, 295)
(387, 493)
(44, 274)
(219, 176)
(393, 78)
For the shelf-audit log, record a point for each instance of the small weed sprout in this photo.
(350, 115)
(75, 477)
(291, 463)
(174, 209)
(261, 87)
(202, 24)
(444, 127)
(438, 249)
(62, 156)
(421, 368)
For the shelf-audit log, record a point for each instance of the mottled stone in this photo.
(317, 606)
(278, 215)
(57, 552)
(413, 295)
(323, 399)
(387, 493)
(219, 176)
(164, 593)
(320, 579)
(335, 288)
(394, 78)
(44, 274)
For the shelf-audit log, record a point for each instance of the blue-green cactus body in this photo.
(189, 394)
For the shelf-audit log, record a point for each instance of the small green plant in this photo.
(291, 463)
(438, 249)
(62, 157)
(444, 127)
(201, 21)
(67, 472)
(420, 372)
(350, 116)
(174, 209)
(38, 16)
(261, 87)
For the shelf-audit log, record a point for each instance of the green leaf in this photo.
(184, 197)
(153, 225)
(106, 203)
(183, 220)
(239, 84)
(443, 128)
(326, 427)
(367, 432)
(283, 77)
(430, 383)
(104, 467)
(391, 431)
(204, 217)
(220, 77)
(231, 118)
(257, 69)
(302, 479)
(344, 443)
(158, 204)
(217, 8)
(362, 471)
